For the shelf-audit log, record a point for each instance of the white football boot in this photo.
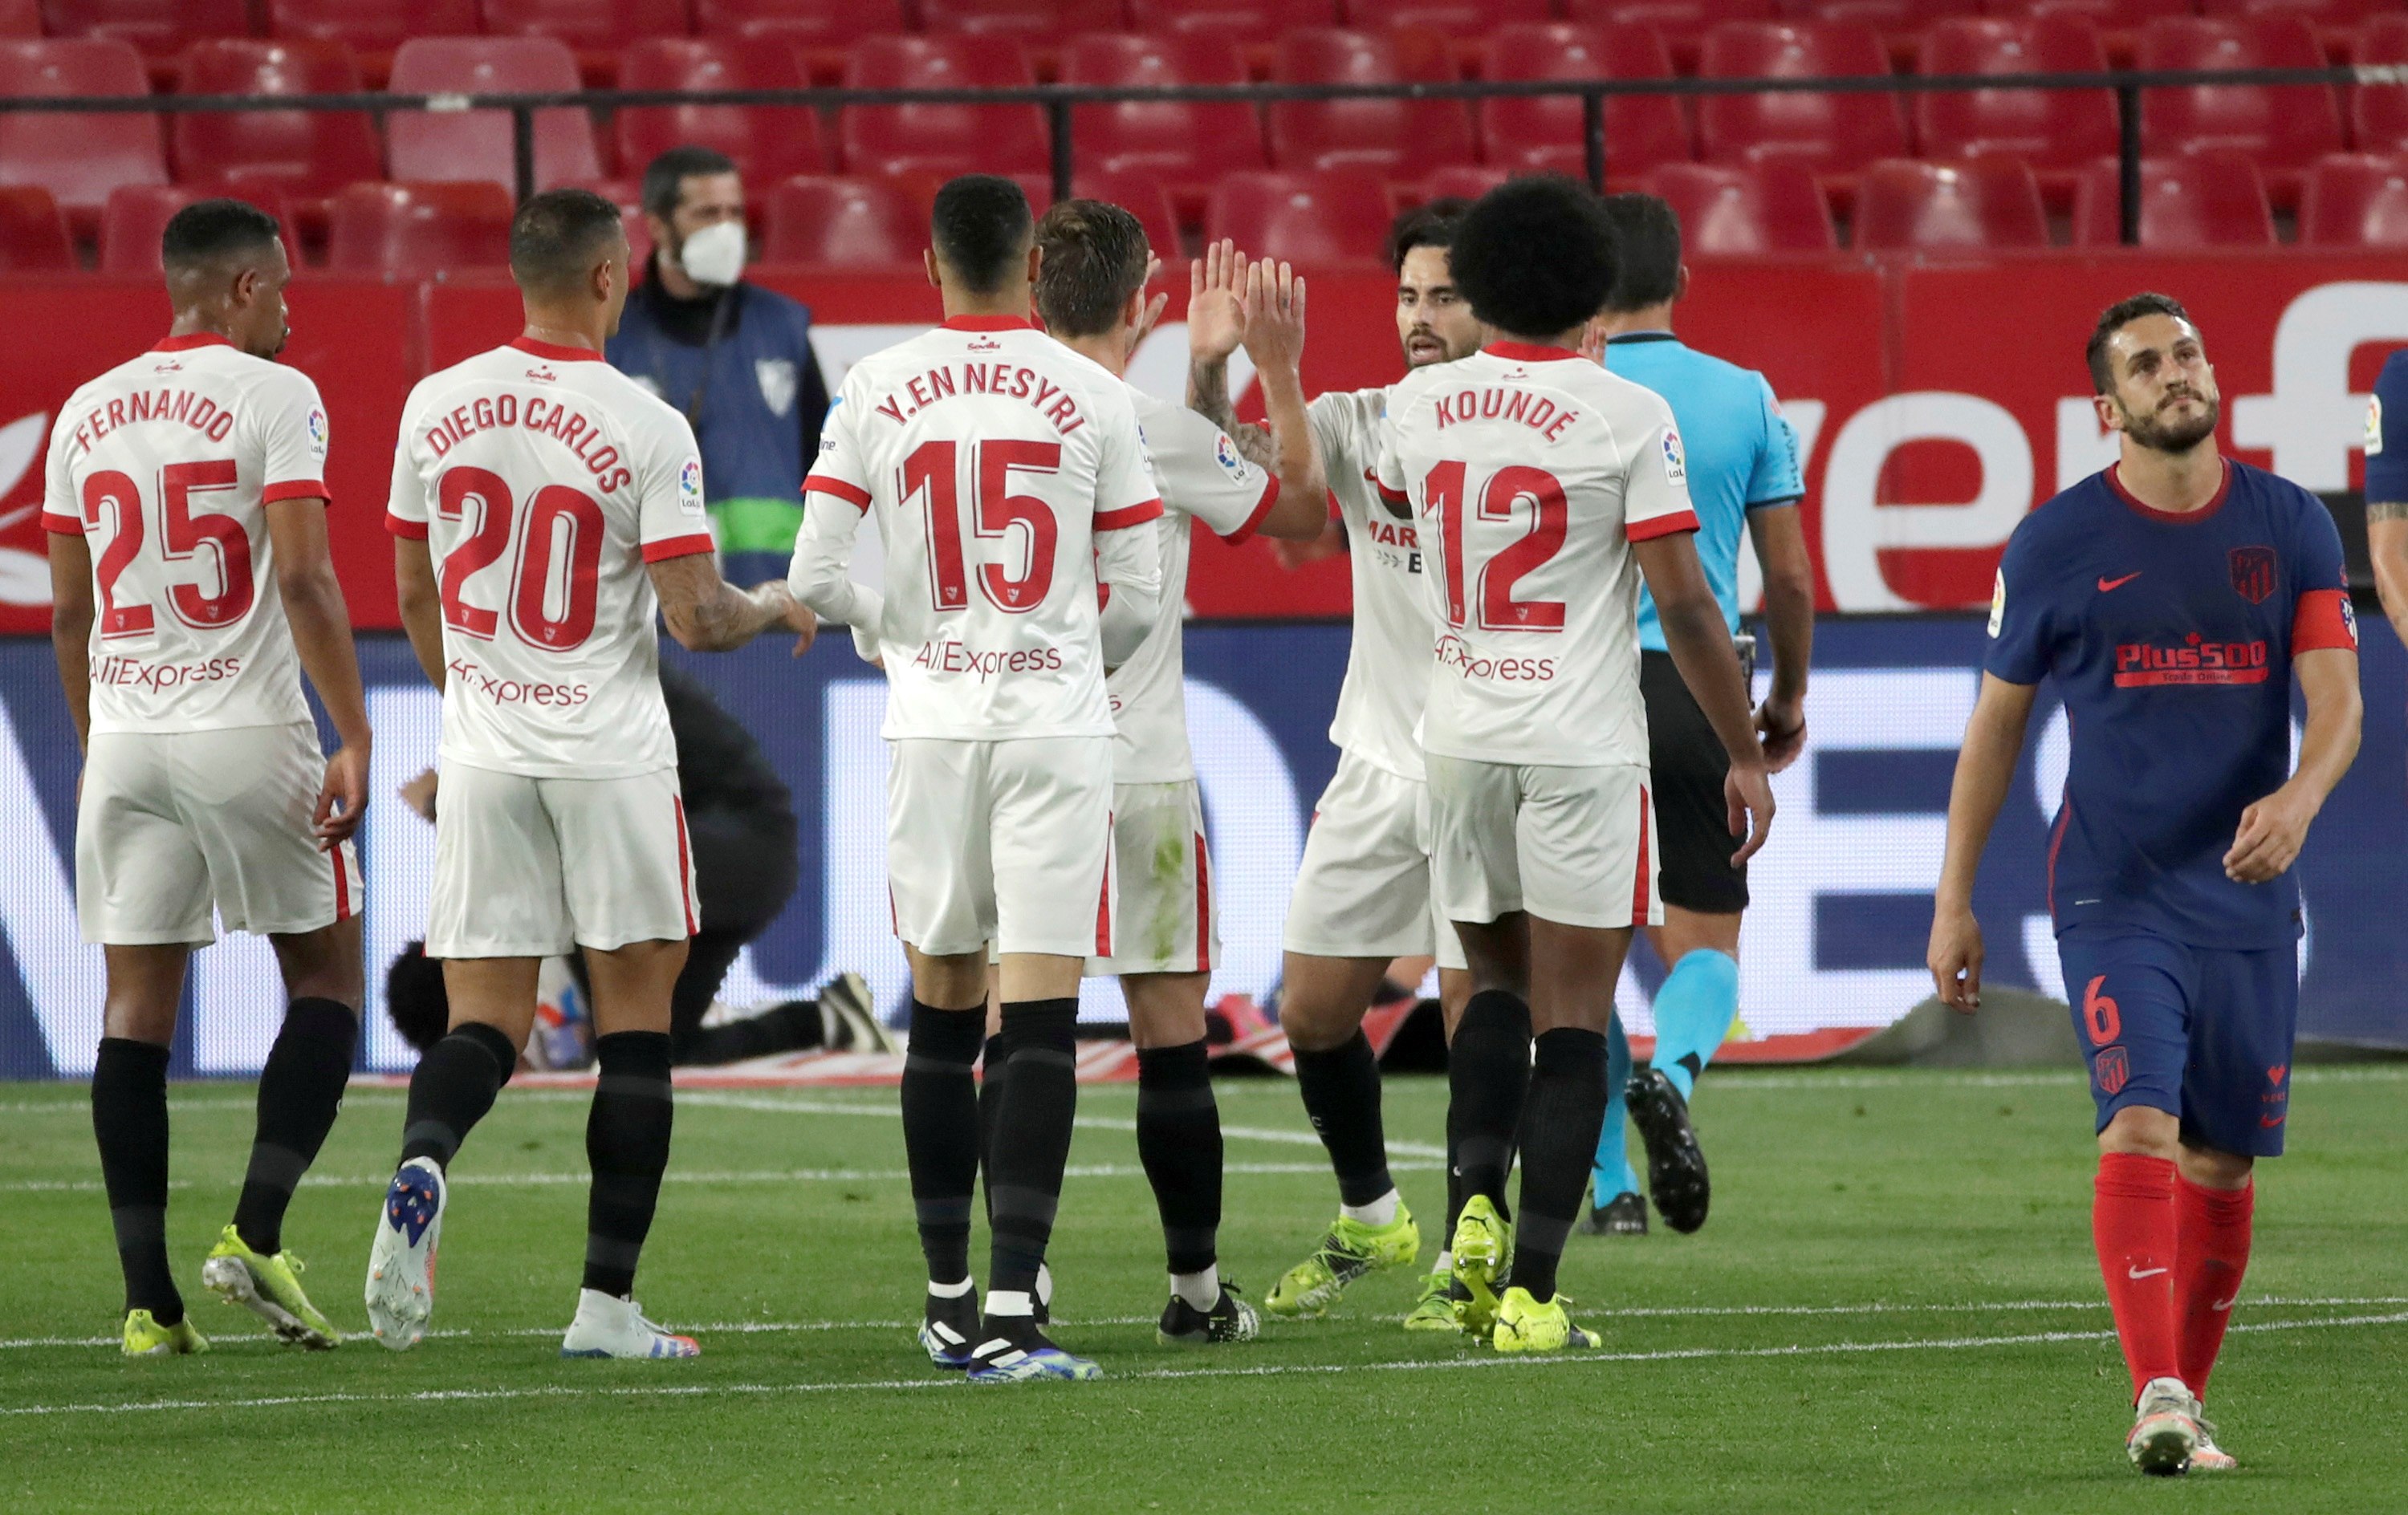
(401, 1264)
(2207, 1457)
(2165, 1431)
(609, 1326)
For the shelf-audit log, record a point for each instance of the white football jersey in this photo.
(1531, 470)
(1388, 663)
(165, 467)
(995, 463)
(543, 481)
(1203, 477)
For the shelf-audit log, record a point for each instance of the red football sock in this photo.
(2210, 1259)
(2132, 1223)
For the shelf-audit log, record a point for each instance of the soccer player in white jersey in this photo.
(1008, 483)
(1544, 487)
(1091, 296)
(1362, 897)
(193, 477)
(544, 508)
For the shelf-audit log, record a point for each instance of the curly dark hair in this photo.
(1534, 256)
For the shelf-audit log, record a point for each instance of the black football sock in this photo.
(791, 1027)
(1179, 1142)
(453, 1088)
(627, 1143)
(129, 1115)
(1032, 1142)
(992, 1065)
(1559, 1128)
(940, 1132)
(1488, 1071)
(300, 1090)
(1341, 1097)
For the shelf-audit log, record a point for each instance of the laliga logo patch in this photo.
(2373, 425)
(1676, 467)
(1999, 603)
(1225, 452)
(317, 430)
(690, 487)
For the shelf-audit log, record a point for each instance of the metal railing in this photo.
(1059, 101)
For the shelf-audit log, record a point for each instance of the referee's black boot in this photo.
(1676, 1168)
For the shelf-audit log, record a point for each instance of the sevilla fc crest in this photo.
(2253, 573)
(779, 382)
(2111, 1070)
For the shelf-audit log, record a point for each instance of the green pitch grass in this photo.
(1893, 1309)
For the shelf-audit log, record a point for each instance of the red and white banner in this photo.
(1938, 399)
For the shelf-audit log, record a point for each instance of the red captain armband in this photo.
(2324, 619)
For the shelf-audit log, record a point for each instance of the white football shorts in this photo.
(1002, 842)
(173, 823)
(1166, 921)
(1572, 844)
(535, 868)
(1363, 889)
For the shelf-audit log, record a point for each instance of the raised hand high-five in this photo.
(1216, 303)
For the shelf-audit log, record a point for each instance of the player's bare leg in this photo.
(1488, 1077)
(943, 1111)
(300, 1093)
(129, 1118)
(1179, 1142)
(627, 1144)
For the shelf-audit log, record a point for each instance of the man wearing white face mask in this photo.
(736, 359)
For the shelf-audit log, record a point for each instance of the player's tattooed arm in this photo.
(2272, 830)
(1275, 341)
(708, 614)
(322, 635)
(1986, 766)
(1216, 326)
(71, 615)
(2386, 543)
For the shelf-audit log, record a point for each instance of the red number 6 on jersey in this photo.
(2100, 1016)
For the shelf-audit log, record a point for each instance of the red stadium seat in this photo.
(435, 147)
(2047, 128)
(21, 18)
(1546, 132)
(1459, 182)
(2284, 129)
(812, 24)
(2379, 113)
(370, 26)
(158, 27)
(1143, 196)
(1037, 22)
(1178, 140)
(1396, 136)
(77, 158)
(1468, 20)
(2331, 13)
(2203, 200)
(947, 139)
(419, 231)
(1682, 24)
(863, 224)
(1907, 205)
(590, 25)
(1773, 208)
(767, 142)
(2107, 15)
(137, 214)
(1246, 19)
(1833, 134)
(297, 151)
(33, 234)
(2355, 200)
(1335, 217)
(1888, 16)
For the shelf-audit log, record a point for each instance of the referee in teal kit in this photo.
(1744, 470)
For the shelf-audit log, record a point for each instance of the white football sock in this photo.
(1445, 1262)
(1008, 1302)
(1200, 1289)
(949, 1290)
(1379, 1212)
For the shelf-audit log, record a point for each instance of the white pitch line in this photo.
(1265, 1371)
(1636, 1312)
(319, 1180)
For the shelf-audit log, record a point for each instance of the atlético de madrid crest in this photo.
(777, 377)
(2253, 573)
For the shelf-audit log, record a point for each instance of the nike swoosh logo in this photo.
(2105, 583)
(2223, 1303)
(2136, 1275)
(2268, 1123)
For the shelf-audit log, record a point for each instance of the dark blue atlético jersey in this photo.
(2386, 433)
(2171, 637)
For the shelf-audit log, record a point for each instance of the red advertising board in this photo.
(1938, 399)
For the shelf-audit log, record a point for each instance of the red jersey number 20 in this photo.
(1501, 499)
(547, 609)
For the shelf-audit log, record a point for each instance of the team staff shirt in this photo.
(1388, 662)
(542, 481)
(2387, 434)
(1203, 478)
(2171, 639)
(1004, 471)
(1530, 471)
(165, 466)
(1741, 455)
